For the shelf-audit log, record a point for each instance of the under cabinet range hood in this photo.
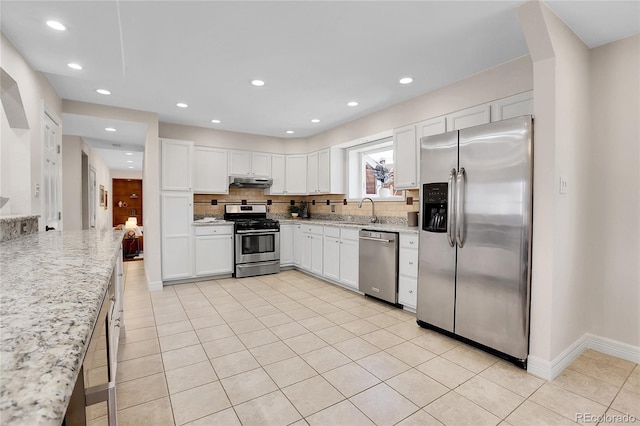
(250, 182)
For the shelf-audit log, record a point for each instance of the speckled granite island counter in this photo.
(51, 288)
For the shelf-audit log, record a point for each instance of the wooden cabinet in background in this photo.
(127, 200)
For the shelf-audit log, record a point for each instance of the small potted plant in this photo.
(294, 210)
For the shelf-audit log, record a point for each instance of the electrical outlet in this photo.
(564, 185)
(333, 209)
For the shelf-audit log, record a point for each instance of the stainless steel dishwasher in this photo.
(379, 265)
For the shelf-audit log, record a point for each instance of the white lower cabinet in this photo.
(331, 253)
(298, 239)
(177, 215)
(286, 244)
(312, 249)
(408, 271)
(213, 250)
(349, 257)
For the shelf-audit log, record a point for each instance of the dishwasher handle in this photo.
(379, 240)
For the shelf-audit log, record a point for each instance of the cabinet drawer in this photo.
(350, 234)
(408, 262)
(313, 229)
(408, 291)
(213, 230)
(409, 241)
(330, 231)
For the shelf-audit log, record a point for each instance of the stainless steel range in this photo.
(257, 240)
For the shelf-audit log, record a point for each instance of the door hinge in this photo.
(58, 149)
(59, 215)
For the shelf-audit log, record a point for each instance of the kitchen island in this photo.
(52, 286)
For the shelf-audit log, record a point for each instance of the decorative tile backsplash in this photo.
(391, 212)
(15, 226)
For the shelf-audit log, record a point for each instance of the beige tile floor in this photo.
(291, 349)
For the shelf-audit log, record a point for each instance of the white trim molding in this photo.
(549, 370)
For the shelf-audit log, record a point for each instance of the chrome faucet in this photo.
(374, 219)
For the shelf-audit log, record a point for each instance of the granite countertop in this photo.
(15, 217)
(389, 227)
(210, 222)
(51, 289)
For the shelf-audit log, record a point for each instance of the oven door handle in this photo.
(257, 231)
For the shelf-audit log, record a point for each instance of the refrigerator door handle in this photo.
(461, 182)
(451, 208)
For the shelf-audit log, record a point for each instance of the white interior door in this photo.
(52, 172)
(92, 197)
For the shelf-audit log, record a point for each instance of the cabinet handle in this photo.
(410, 242)
(410, 263)
(410, 291)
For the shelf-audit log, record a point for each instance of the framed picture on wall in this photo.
(102, 197)
(106, 199)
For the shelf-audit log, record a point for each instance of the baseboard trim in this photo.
(549, 370)
(154, 285)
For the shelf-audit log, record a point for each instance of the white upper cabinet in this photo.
(325, 171)
(278, 174)
(210, 175)
(469, 117)
(260, 164)
(289, 174)
(312, 173)
(405, 161)
(296, 174)
(511, 107)
(247, 163)
(176, 165)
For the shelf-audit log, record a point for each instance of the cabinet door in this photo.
(278, 174)
(239, 163)
(469, 117)
(312, 173)
(331, 258)
(305, 257)
(324, 171)
(298, 238)
(260, 164)
(405, 158)
(177, 215)
(407, 291)
(349, 263)
(210, 171)
(316, 254)
(513, 106)
(176, 165)
(286, 245)
(214, 255)
(296, 174)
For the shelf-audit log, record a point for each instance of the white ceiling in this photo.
(313, 55)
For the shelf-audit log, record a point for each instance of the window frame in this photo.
(356, 181)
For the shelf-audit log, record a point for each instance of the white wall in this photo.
(72, 149)
(21, 161)
(126, 174)
(151, 177)
(221, 138)
(614, 192)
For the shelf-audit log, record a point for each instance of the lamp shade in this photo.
(131, 223)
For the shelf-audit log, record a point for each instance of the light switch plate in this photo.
(564, 185)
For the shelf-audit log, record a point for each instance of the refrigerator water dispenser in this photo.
(434, 218)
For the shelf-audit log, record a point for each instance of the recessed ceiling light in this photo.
(131, 167)
(74, 66)
(406, 80)
(315, 120)
(110, 129)
(129, 161)
(56, 25)
(290, 132)
(129, 153)
(181, 105)
(216, 121)
(352, 103)
(257, 83)
(103, 91)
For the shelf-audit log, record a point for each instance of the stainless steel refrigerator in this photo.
(475, 238)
